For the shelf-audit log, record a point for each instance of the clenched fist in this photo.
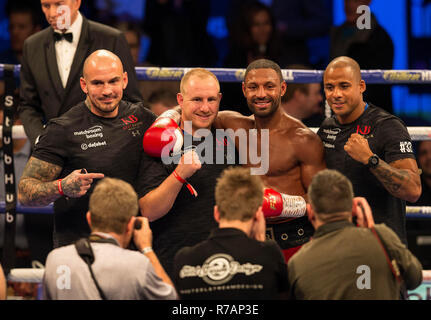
(188, 165)
(357, 147)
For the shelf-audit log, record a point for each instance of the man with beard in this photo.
(295, 153)
(52, 61)
(101, 136)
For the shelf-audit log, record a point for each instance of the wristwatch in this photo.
(373, 161)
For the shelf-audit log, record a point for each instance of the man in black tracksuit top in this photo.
(370, 146)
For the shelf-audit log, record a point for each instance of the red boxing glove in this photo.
(279, 205)
(163, 137)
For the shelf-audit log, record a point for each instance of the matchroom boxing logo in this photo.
(248, 146)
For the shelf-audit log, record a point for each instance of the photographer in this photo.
(342, 261)
(113, 272)
(235, 261)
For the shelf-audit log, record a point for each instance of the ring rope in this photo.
(411, 211)
(421, 76)
(291, 75)
(35, 275)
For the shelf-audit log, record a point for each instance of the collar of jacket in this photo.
(223, 232)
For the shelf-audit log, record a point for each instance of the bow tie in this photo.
(67, 36)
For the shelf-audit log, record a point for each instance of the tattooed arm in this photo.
(38, 185)
(400, 178)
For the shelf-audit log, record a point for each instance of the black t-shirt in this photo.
(190, 219)
(388, 138)
(230, 265)
(80, 139)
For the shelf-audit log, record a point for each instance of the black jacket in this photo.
(42, 94)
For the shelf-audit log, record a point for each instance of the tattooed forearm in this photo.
(41, 170)
(34, 193)
(37, 186)
(393, 179)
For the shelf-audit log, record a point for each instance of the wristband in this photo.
(60, 189)
(146, 250)
(188, 185)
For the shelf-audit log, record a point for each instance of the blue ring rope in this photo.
(291, 76)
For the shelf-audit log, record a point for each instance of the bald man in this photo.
(370, 146)
(53, 59)
(101, 136)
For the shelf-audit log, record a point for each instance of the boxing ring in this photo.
(10, 207)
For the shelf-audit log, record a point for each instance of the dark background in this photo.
(407, 21)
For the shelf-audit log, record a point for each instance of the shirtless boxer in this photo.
(295, 154)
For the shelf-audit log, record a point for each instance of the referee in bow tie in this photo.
(63, 36)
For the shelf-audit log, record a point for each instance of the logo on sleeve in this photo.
(406, 147)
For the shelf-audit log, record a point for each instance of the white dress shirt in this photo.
(65, 51)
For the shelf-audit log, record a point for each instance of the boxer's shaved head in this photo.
(103, 82)
(344, 89)
(199, 98)
(99, 57)
(200, 74)
(345, 62)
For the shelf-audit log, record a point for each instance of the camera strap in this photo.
(392, 262)
(83, 247)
